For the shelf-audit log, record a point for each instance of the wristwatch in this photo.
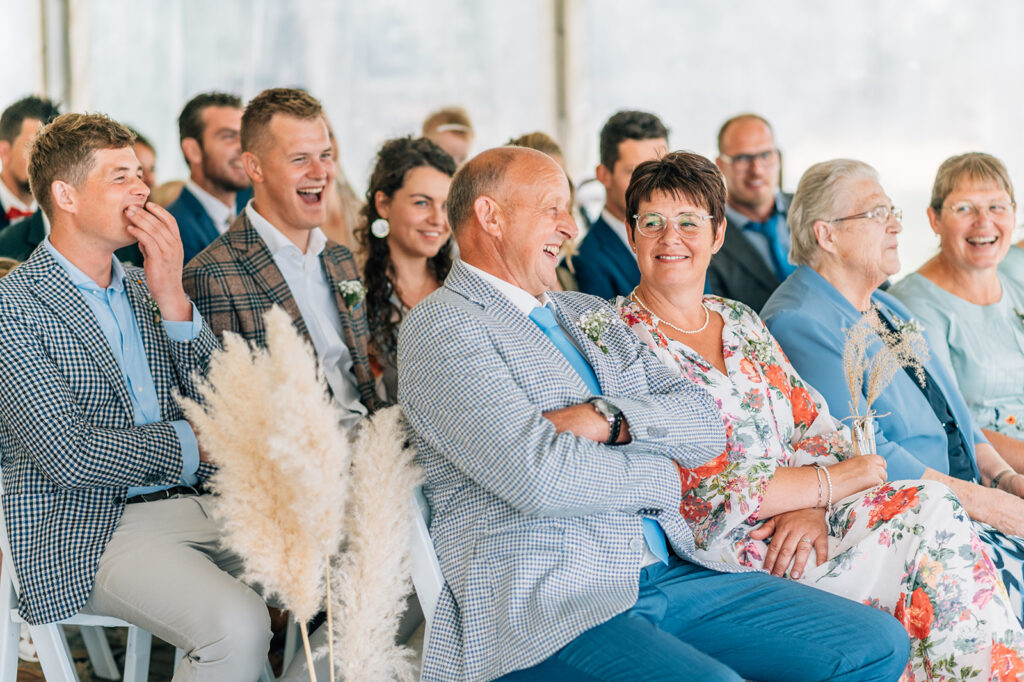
(610, 413)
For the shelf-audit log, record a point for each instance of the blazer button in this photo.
(636, 545)
(118, 500)
(655, 431)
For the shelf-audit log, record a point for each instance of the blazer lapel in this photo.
(355, 331)
(256, 259)
(748, 258)
(56, 291)
(598, 359)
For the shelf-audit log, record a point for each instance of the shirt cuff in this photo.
(182, 332)
(189, 449)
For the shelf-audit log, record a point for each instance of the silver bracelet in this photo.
(821, 492)
(828, 477)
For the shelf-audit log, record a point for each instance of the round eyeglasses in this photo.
(879, 214)
(686, 224)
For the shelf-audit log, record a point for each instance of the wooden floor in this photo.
(161, 663)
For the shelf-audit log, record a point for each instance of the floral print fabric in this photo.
(906, 547)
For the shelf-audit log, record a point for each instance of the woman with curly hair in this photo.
(405, 235)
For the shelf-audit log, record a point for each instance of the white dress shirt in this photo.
(220, 213)
(307, 281)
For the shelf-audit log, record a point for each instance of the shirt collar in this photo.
(219, 213)
(275, 239)
(520, 298)
(81, 280)
(9, 200)
(739, 221)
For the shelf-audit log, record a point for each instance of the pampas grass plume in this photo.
(268, 423)
(372, 579)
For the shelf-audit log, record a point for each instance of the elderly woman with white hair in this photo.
(844, 240)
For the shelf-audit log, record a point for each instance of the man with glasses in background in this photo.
(754, 258)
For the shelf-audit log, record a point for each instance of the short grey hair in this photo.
(817, 197)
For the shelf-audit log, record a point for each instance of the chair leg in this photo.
(103, 664)
(54, 654)
(136, 656)
(10, 631)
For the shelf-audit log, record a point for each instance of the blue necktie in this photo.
(780, 259)
(544, 318)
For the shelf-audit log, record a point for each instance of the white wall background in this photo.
(899, 85)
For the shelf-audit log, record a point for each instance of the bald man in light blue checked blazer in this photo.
(543, 503)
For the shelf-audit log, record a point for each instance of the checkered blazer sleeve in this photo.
(40, 409)
(467, 400)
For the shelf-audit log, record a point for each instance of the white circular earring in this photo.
(380, 228)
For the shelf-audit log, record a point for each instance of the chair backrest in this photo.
(426, 571)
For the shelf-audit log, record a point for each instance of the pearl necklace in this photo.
(707, 315)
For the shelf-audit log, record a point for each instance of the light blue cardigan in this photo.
(809, 317)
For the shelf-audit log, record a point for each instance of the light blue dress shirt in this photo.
(305, 277)
(116, 320)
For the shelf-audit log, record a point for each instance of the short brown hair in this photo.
(975, 167)
(678, 174)
(455, 118)
(286, 101)
(65, 150)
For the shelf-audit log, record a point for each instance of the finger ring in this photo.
(806, 540)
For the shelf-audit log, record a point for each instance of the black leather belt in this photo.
(167, 493)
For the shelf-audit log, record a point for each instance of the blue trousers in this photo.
(691, 623)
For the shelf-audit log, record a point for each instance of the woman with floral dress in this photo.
(788, 474)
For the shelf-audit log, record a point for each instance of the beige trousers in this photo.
(165, 571)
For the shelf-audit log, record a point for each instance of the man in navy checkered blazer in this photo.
(543, 502)
(102, 474)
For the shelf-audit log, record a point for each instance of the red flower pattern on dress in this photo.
(900, 502)
(749, 370)
(1006, 664)
(804, 411)
(691, 478)
(694, 508)
(918, 618)
(777, 378)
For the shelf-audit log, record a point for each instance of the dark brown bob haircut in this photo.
(681, 175)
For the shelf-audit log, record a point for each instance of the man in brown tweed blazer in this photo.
(275, 254)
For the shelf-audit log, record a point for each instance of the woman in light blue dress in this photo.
(975, 313)
(845, 235)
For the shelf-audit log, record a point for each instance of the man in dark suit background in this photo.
(18, 125)
(210, 130)
(605, 265)
(754, 258)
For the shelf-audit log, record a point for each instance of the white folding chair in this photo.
(426, 571)
(50, 642)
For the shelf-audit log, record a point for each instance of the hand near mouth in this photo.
(157, 233)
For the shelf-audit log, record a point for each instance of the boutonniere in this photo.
(911, 326)
(151, 304)
(593, 325)
(353, 291)
(1020, 315)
